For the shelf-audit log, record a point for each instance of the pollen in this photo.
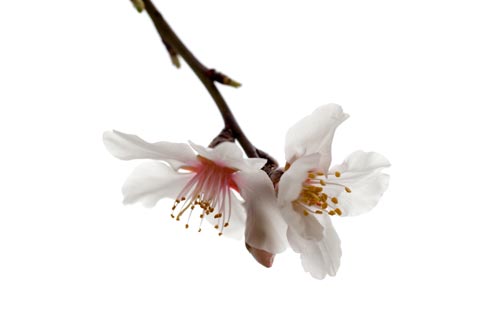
(316, 194)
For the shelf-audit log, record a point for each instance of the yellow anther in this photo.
(187, 225)
(322, 182)
(338, 211)
(177, 201)
(306, 213)
(220, 233)
(318, 212)
(335, 200)
(337, 174)
(348, 190)
(324, 205)
(332, 212)
(312, 175)
(226, 224)
(319, 173)
(216, 226)
(202, 216)
(216, 216)
(177, 218)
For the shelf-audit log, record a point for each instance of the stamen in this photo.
(312, 199)
(209, 189)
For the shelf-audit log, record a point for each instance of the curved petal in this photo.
(360, 163)
(265, 228)
(290, 184)
(152, 181)
(128, 147)
(362, 173)
(228, 154)
(319, 258)
(314, 134)
(307, 227)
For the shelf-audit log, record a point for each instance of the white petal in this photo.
(361, 172)
(307, 227)
(314, 134)
(152, 181)
(265, 228)
(361, 163)
(290, 184)
(228, 154)
(319, 258)
(128, 147)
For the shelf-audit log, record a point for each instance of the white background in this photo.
(420, 80)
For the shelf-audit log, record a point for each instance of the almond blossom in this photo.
(310, 192)
(216, 185)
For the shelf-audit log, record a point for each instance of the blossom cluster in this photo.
(220, 187)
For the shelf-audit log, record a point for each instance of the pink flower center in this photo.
(210, 191)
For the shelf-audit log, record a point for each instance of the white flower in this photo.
(310, 191)
(203, 184)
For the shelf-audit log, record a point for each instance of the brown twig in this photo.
(206, 76)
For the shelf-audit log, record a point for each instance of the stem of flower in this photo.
(206, 76)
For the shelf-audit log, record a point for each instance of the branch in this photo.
(206, 76)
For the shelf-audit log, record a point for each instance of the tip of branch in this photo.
(138, 4)
(175, 60)
(232, 83)
(222, 78)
